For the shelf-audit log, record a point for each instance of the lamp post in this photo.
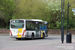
(62, 20)
(68, 35)
(68, 16)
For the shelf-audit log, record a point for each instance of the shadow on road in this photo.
(47, 38)
(52, 38)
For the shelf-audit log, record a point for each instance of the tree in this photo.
(7, 8)
(30, 9)
(54, 8)
(71, 15)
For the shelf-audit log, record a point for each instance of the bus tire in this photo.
(32, 37)
(43, 35)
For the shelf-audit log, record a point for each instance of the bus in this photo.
(28, 28)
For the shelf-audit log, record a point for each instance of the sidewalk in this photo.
(65, 46)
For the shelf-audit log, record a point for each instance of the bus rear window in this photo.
(17, 24)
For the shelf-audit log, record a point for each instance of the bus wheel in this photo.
(32, 37)
(43, 35)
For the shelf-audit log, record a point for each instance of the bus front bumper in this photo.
(26, 36)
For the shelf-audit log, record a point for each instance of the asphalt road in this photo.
(50, 42)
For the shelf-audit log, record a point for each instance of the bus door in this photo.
(46, 29)
(37, 29)
(40, 29)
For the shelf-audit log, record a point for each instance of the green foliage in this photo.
(7, 8)
(71, 14)
(54, 8)
(36, 9)
(58, 25)
(28, 9)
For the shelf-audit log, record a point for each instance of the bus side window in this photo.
(28, 25)
(40, 27)
(32, 26)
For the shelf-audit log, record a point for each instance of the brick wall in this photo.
(58, 31)
(4, 31)
(50, 31)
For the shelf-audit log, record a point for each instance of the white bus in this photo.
(28, 28)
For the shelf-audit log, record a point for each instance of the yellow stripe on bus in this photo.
(41, 34)
(19, 31)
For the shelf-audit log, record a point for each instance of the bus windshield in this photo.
(17, 24)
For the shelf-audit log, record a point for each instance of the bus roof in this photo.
(28, 19)
(33, 20)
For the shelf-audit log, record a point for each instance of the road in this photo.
(51, 42)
